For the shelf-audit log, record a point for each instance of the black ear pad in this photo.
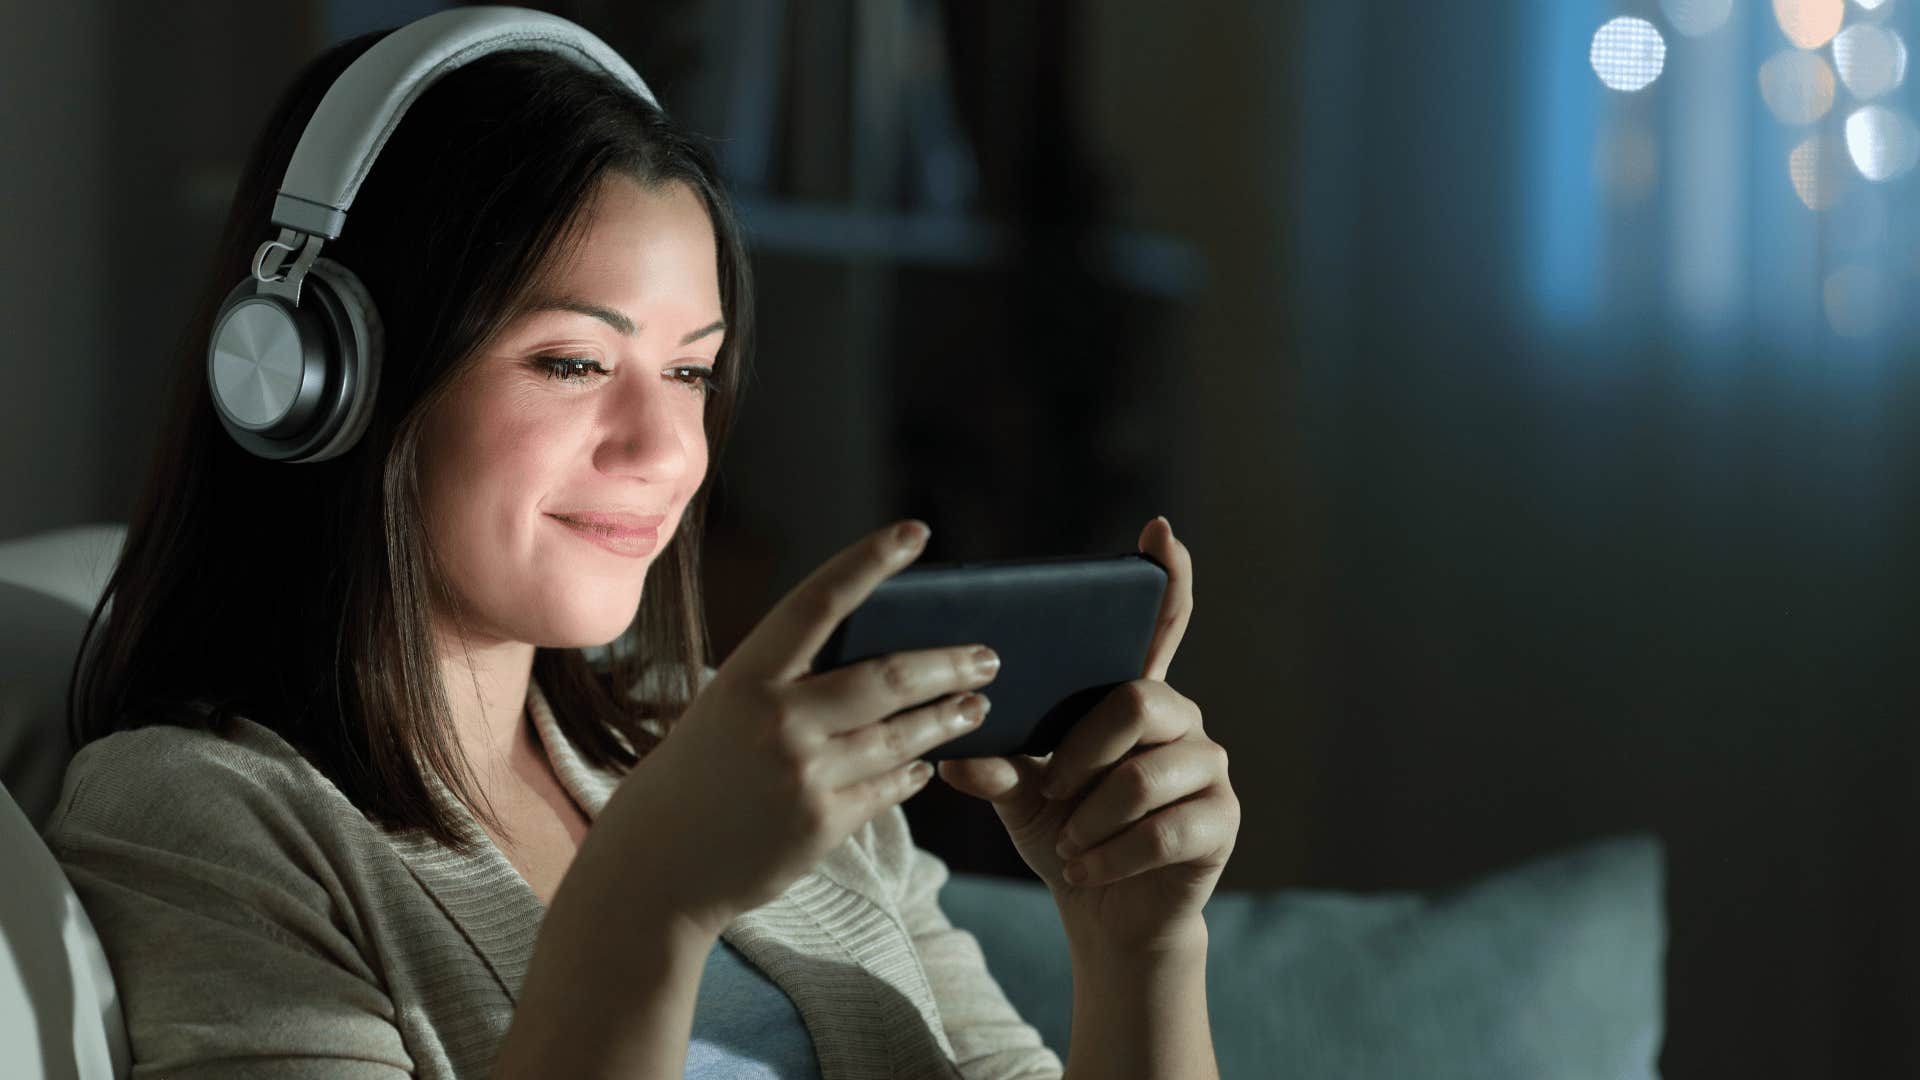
(297, 384)
(368, 348)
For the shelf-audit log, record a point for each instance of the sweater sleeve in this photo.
(990, 1040)
(212, 903)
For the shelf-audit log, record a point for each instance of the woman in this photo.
(341, 744)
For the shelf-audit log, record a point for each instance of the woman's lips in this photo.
(630, 542)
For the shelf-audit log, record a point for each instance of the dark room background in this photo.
(1534, 383)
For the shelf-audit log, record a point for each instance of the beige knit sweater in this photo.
(258, 925)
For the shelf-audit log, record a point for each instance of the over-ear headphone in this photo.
(294, 357)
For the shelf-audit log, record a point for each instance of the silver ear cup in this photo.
(297, 384)
(266, 382)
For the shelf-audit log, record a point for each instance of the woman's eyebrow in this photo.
(616, 319)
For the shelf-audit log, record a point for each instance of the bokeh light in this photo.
(1871, 58)
(1858, 301)
(1628, 53)
(1883, 142)
(1696, 17)
(1870, 4)
(1818, 168)
(1798, 86)
(1810, 24)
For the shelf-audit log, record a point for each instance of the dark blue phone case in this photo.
(1068, 629)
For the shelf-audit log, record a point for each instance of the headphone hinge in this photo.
(271, 254)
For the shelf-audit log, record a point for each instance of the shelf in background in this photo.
(1142, 261)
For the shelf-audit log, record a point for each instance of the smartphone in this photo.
(1068, 629)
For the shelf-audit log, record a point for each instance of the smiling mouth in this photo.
(631, 542)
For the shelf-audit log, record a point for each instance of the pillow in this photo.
(59, 1009)
(1551, 968)
(49, 583)
(39, 635)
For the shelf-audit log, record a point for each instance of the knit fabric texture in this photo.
(258, 924)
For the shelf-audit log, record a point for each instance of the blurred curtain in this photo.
(1611, 400)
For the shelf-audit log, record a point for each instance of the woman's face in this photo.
(514, 449)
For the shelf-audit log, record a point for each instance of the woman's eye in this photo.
(569, 368)
(702, 380)
(582, 369)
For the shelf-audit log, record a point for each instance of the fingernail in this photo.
(911, 535)
(985, 661)
(1162, 519)
(1075, 873)
(972, 709)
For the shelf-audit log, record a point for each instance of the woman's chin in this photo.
(588, 631)
(589, 613)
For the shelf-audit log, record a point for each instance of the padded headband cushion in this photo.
(364, 105)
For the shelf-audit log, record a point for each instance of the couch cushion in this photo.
(39, 635)
(70, 564)
(49, 583)
(59, 1012)
(1550, 968)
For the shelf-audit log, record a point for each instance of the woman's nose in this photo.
(643, 434)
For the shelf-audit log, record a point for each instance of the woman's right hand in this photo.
(771, 766)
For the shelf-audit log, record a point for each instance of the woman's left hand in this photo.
(1145, 804)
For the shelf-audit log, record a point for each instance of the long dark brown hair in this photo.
(299, 595)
